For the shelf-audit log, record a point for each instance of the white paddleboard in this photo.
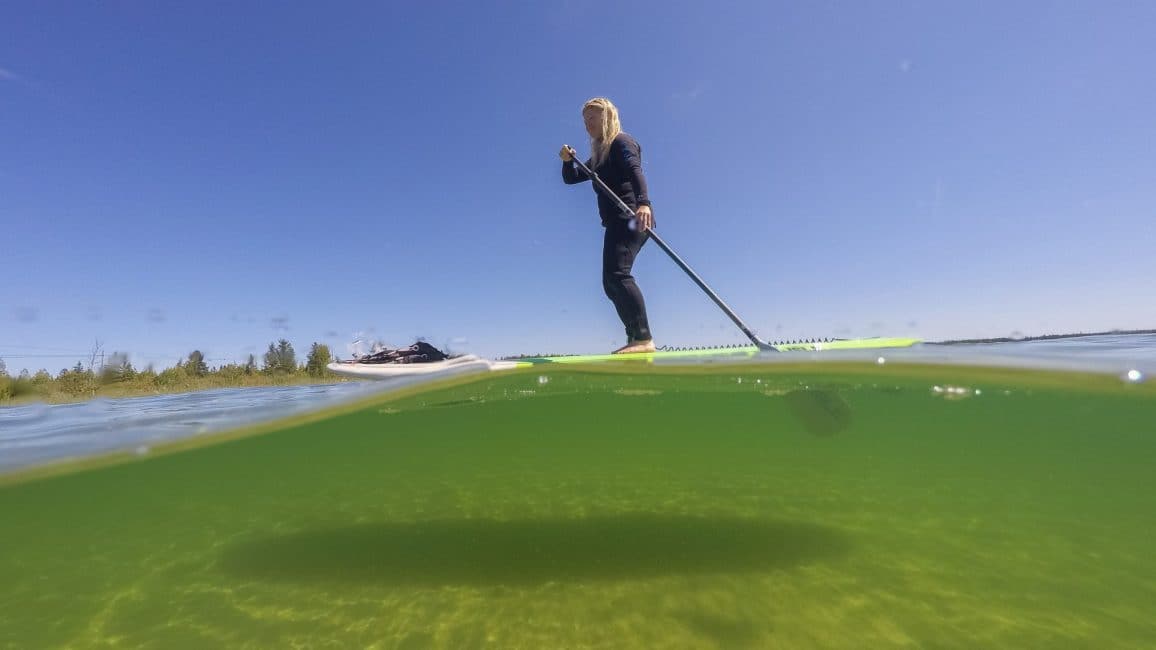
(465, 363)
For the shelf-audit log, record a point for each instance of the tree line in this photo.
(118, 377)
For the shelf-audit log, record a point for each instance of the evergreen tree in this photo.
(319, 357)
(117, 369)
(280, 358)
(196, 366)
(77, 381)
(271, 358)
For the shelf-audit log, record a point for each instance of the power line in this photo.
(42, 356)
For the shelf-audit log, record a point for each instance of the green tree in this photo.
(148, 375)
(171, 377)
(196, 366)
(281, 358)
(318, 358)
(18, 386)
(230, 371)
(77, 380)
(251, 365)
(3, 369)
(118, 369)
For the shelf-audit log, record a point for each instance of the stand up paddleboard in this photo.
(470, 363)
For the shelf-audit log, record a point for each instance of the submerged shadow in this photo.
(491, 552)
(822, 412)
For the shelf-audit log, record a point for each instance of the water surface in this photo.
(754, 505)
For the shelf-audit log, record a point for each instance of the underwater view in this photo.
(792, 503)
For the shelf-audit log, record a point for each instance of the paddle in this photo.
(762, 345)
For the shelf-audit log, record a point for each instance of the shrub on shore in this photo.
(118, 378)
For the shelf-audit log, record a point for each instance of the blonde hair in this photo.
(611, 127)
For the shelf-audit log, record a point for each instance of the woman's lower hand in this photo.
(564, 154)
(645, 218)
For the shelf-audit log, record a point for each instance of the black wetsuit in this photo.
(622, 173)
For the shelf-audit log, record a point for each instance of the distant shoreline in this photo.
(118, 391)
(1044, 337)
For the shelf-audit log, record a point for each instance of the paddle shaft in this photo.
(762, 345)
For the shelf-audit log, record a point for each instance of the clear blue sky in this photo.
(215, 176)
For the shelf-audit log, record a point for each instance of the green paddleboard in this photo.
(736, 351)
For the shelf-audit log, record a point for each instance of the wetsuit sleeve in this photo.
(632, 159)
(571, 174)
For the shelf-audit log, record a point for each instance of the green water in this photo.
(824, 506)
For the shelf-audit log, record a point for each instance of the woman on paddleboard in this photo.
(617, 159)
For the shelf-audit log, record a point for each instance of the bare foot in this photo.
(635, 347)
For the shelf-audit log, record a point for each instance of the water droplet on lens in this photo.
(953, 392)
(1134, 376)
(543, 379)
(141, 450)
(881, 361)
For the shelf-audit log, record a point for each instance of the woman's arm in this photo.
(571, 174)
(631, 154)
(632, 159)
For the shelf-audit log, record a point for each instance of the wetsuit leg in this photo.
(619, 248)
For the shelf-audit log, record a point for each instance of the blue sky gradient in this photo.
(216, 176)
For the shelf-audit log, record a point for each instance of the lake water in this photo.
(38, 433)
(946, 497)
